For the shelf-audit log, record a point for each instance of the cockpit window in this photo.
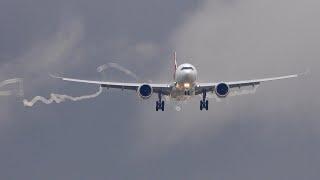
(183, 68)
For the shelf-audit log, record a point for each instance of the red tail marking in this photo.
(175, 64)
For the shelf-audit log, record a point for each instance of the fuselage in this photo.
(185, 81)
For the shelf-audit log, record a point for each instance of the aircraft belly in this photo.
(179, 94)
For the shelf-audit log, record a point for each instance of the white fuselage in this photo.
(185, 81)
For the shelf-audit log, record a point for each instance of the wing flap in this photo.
(238, 84)
(162, 88)
(258, 81)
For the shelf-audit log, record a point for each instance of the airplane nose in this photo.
(189, 76)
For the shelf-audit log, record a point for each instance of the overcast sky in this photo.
(272, 134)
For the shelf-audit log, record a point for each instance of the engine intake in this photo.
(222, 90)
(145, 91)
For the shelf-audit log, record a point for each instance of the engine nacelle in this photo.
(145, 91)
(222, 90)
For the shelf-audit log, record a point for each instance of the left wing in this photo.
(157, 88)
(238, 84)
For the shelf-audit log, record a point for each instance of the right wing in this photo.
(238, 84)
(157, 88)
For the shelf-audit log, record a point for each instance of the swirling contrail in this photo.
(119, 68)
(17, 81)
(235, 93)
(244, 92)
(59, 98)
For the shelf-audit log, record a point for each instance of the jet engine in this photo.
(145, 91)
(222, 90)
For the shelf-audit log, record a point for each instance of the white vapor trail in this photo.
(119, 68)
(59, 98)
(235, 93)
(244, 91)
(17, 81)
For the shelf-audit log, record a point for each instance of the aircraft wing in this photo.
(238, 84)
(162, 88)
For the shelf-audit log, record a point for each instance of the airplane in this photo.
(183, 87)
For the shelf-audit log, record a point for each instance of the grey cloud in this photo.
(270, 135)
(92, 139)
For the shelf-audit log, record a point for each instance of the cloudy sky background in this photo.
(273, 134)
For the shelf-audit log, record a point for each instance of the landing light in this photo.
(186, 85)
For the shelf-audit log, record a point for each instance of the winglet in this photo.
(55, 76)
(307, 72)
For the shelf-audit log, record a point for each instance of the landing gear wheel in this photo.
(207, 105)
(204, 104)
(160, 103)
(160, 106)
(157, 106)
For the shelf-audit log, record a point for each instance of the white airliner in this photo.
(183, 87)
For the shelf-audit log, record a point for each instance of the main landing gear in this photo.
(204, 104)
(160, 103)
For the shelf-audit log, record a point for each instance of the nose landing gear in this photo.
(187, 93)
(204, 104)
(160, 103)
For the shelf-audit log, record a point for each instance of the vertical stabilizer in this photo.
(175, 64)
